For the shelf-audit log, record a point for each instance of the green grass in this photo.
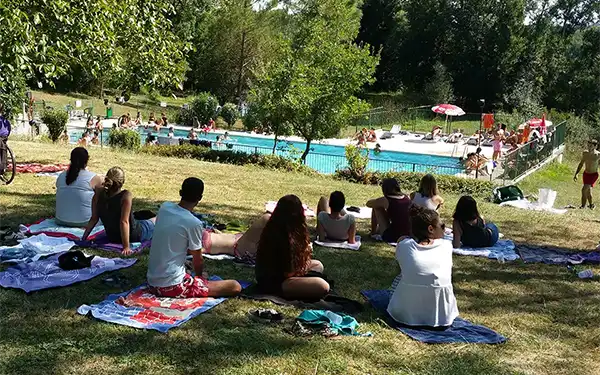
(550, 316)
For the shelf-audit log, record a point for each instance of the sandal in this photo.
(266, 316)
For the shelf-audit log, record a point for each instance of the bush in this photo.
(409, 181)
(228, 157)
(357, 162)
(184, 117)
(204, 106)
(56, 121)
(229, 113)
(124, 138)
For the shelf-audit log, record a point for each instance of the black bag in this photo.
(507, 193)
(74, 260)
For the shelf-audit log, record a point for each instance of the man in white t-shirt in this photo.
(177, 233)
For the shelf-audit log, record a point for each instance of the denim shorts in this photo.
(495, 233)
(147, 227)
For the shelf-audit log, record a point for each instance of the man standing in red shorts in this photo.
(590, 159)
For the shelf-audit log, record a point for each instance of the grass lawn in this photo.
(551, 317)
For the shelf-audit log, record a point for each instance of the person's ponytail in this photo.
(79, 160)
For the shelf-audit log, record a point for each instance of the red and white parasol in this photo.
(448, 110)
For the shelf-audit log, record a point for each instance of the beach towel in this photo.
(365, 212)
(34, 248)
(270, 207)
(140, 309)
(533, 206)
(503, 250)
(216, 256)
(53, 229)
(377, 237)
(45, 273)
(48, 174)
(40, 168)
(331, 301)
(555, 255)
(340, 245)
(460, 332)
(102, 243)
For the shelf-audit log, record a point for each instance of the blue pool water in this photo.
(324, 158)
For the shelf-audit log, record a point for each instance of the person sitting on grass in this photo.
(390, 218)
(74, 191)
(423, 295)
(178, 233)
(470, 228)
(427, 196)
(113, 206)
(333, 223)
(284, 255)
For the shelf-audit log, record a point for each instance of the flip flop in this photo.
(268, 316)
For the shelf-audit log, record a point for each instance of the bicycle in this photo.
(7, 175)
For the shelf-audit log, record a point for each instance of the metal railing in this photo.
(531, 154)
(329, 164)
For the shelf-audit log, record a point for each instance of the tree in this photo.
(316, 75)
(439, 89)
(46, 40)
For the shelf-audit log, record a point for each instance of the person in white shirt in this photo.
(178, 233)
(424, 295)
(75, 191)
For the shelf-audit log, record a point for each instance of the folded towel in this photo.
(139, 308)
(101, 242)
(461, 331)
(340, 245)
(45, 274)
(34, 248)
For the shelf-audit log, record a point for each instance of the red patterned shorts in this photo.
(190, 287)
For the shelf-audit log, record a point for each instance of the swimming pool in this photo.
(322, 157)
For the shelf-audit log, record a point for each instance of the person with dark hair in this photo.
(75, 190)
(428, 195)
(333, 223)
(390, 217)
(469, 226)
(113, 206)
(423, 293)
(179, 233)
(284, 255)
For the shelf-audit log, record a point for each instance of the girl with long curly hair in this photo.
(284, 255)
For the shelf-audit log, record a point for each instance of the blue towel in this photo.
(461, 331)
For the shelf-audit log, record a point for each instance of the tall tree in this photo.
(318, 73)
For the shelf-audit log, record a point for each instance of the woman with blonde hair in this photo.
(113, 206)
(428, 195)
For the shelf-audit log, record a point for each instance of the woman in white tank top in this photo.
(428, 195)
(75, 190)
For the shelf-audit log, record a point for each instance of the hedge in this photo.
(228, 157)
(409, 181)
(124, 138)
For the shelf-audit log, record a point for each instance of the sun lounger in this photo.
(394, 131)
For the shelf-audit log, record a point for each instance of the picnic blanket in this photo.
(40, 168)
(270, 207)
(555, 255)
(340, 245)
(503, 250)
(461, 331)
(45, 274)
(534, 206)
(140, 309)
(102, 243)
(51, 228)
(34, 248)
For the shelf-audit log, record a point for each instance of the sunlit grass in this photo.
(549, 315)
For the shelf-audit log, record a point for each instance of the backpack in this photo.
(507, 193)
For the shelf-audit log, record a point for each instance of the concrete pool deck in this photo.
(411, 143)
